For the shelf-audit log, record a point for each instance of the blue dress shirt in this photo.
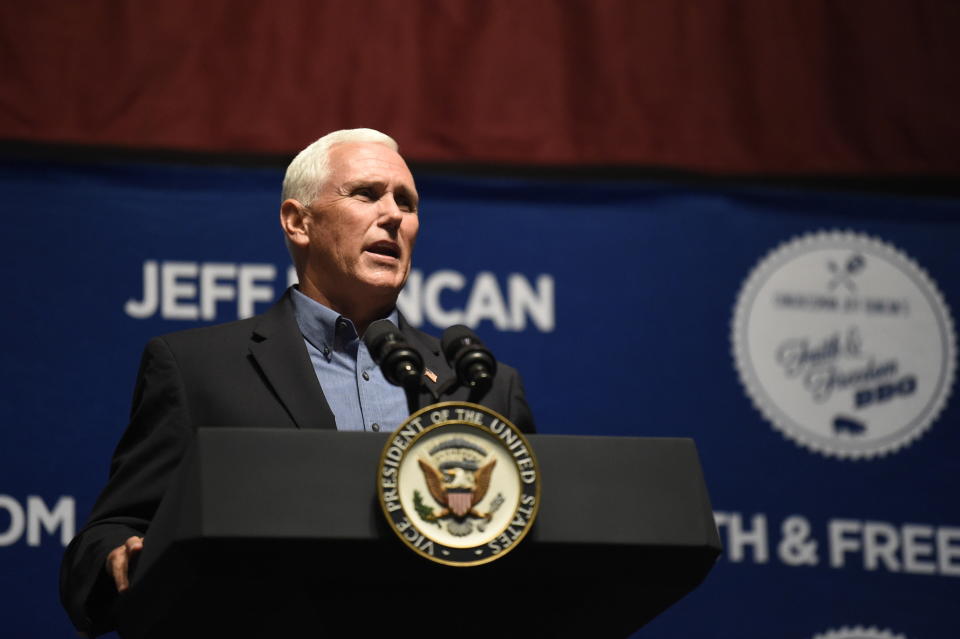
(359, 395)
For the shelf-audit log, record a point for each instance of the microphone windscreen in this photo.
(453, 339)
(377, 333)
(401, 364)
(466, 354)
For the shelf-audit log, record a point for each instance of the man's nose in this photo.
(390, 213)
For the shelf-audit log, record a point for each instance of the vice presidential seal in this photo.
(459, 484)
(844, 344)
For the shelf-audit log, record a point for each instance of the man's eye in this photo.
(364, 192)
(405, 205)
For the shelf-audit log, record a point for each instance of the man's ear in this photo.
(293, 221)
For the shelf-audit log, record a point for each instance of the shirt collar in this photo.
(319, 324)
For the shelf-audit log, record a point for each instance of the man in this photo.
(349, 217)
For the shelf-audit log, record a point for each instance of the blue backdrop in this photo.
(617, 302)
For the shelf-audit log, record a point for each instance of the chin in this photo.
(384, 285)
(384, 278)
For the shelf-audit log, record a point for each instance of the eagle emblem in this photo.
(457, 473)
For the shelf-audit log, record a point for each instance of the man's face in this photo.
(362, 227)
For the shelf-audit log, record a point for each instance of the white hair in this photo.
(310, 169)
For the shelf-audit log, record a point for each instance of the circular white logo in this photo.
(858, 632)
(844, 344)
(459, 484)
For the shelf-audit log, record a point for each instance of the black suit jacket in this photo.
(253, 372)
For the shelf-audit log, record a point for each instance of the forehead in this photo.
(368, 161)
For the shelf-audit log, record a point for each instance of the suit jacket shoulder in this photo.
(254, 372)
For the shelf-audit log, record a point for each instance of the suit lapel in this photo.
(278, 348)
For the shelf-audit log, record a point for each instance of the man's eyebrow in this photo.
(353, 184)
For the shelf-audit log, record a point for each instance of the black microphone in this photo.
(400, 363)
(466, 354)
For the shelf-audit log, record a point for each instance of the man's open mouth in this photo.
(390, 249)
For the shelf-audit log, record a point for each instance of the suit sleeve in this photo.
(142, 467)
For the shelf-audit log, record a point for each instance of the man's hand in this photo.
(118, 561)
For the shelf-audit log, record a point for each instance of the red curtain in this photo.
(745, 86)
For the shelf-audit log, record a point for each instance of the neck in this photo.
(362, 312)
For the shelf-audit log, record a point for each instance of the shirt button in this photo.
(366, 376)
(375, 426)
